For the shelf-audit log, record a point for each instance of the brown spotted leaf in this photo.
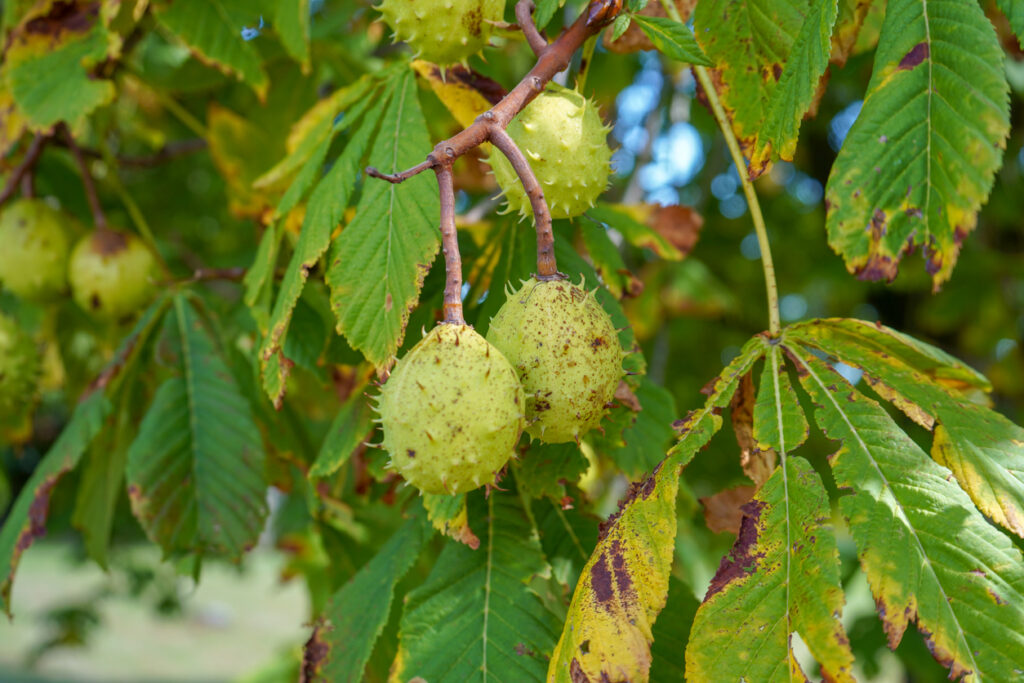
(749, 42)
(781, 577)
(195, 471)
(623, 587)
(378, 263)
(921, 158)
(984, 450)
(930, 557)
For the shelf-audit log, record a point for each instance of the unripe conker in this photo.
(34, 245)
(443, 31)
(451, 411)
(566, 351)
(19, 369)
(111, 274)
(564, 140)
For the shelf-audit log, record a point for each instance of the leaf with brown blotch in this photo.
(758, 463)
(781, 577)
(930, 557)
(623, 587)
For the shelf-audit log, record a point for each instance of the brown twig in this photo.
(490, 126)
(31, 156)
(98, 217)
(28, 185)
(547, 268)
(450, 247)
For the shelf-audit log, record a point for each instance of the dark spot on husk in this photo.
(917, 54)
(410, 452)
(741, 560)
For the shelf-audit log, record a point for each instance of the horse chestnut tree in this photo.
(531, 340)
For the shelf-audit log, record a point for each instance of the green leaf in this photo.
(567, 536)
(1014, 11)
(805, 65)
(779, 421)
(474, 618)
(449, 515)
(984, 450)
(781, 577)
(379, 261)
(195, 470)
(291, 19)
(608, 262)
(546, 469)
(749, 43)
(921, 157)
(355, 616)
(672, 39)
(637, 233)
(27, 519)
(545, 11)
(49, 73)
(350, 427)
(624, 585)
(621, 25)
(324, 212)
(671, 633)
(847, 30)
(208, 28)
(928, 554)
(646, 439)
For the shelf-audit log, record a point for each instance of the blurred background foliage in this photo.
(690, 316)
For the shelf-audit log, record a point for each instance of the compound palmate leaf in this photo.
(474, 618)
(781, 577)
(983, 449)
(607, 634)
(380, 259)
(196, 469)
(928, 554)
(921, 157)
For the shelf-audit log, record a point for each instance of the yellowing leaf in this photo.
(781, 577)
(623, 587)
(466, 93)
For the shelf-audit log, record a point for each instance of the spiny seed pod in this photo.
(111, 274)
(564, 140)
(451, 412)
(443, 31)
(19, 369)
(34, 247)
(567, 353)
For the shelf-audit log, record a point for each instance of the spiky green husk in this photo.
(111, 274)
(451, 412)
(564, 140)
(34, 245)
(443, 31)
(566, 351)
(19, 370)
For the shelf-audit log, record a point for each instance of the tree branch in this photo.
(490, 126)
(31, 156)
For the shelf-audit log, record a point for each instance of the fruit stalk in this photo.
(450, 248)
(98, 217)
(547, 268)
(35, 148)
